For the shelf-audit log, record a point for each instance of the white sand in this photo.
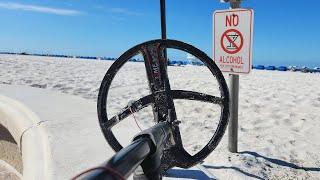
(7, 172)
(279, 112)
(9, 150)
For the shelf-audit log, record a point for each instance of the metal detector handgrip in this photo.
(145, 150)
(159, 134)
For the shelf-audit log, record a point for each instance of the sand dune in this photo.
(279, 112)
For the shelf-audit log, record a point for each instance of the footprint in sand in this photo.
(65, 89)
(292, 142)
(275, 116)
(257, 121)
(58, 86)
(2, 82)
(198, 110)
(243, 129)
(270, 141)
(298, 123)
(287, 122)
(27, 81)
(267, 98)
(256, 108)
(290, 105)
(42, 86)
(315, 102)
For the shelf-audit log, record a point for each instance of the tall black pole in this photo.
(163, 19)
(163, 24)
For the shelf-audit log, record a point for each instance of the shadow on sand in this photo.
(281, 162)
(187, 173)
(234, 168)
(198, 174)
(5, 135)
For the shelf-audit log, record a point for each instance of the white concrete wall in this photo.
(21, 123)
(59, 134)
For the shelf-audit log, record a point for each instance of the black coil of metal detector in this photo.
(161, 99)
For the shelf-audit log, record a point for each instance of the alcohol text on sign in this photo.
(233, 40)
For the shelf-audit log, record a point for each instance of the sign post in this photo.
(234, 94)
(233, 54)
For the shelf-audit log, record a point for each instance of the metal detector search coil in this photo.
(161, 99)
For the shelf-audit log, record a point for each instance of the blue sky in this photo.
(285, 32)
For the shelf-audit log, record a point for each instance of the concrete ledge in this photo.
(59, 134)
(20, 122)
(16, 117)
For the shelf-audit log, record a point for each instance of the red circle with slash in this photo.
(236, 46)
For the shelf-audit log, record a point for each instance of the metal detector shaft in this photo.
(124, 162)
(144, 150)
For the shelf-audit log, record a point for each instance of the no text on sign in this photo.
(232, 39)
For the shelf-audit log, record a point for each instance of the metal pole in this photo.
(234, 97)
(163, 19)
(235, 4)
(163, 24)
(233, 122)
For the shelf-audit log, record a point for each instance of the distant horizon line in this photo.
(315, 64)
(53, 54)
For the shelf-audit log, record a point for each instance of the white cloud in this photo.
(40, 9)
(124, 11)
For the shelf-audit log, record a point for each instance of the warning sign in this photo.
(232, 41)
(232, 38)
